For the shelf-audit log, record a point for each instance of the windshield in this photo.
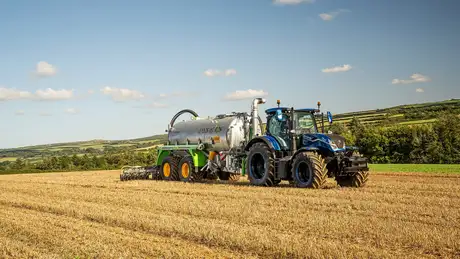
(305, 123)
(278, 127)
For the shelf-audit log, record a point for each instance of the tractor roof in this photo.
(273, 110)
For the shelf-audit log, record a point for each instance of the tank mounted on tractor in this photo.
(230, 145)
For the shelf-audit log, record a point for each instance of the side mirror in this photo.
(329, 116)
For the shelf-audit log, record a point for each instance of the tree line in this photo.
(107, 161)
(433, 143)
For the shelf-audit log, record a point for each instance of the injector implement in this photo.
(227, 146)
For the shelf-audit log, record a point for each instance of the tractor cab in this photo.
(284, 124)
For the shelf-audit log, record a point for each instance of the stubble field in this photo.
(93, 214)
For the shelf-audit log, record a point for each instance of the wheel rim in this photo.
(303, 172)
(185, 170)
(257, 166)
(166, 170)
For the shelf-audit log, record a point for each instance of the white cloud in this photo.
(343, 68)
(230, 72)
(71, 111)
(43, 69)
(292, 2)
(50, 94)
(44, 114)
(211, 72)
(215, 72)
(156, 105)
(122, 94)
(19, 113)
(177, 94)
(91, 91)
(8, 94)
(415, 78)
(245, 94)
(152, 105)
(330, 16)
(419, 90)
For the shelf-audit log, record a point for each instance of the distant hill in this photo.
(402, 114)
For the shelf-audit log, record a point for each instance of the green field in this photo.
(403, 114)
(419, 168)
(4, 159)
(97, 148)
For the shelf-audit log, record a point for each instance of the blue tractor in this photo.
(294, 149)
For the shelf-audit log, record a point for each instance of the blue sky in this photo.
(63, 64)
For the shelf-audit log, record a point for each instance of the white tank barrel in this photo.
(222, 134)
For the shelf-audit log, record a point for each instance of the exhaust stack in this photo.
(255, 116)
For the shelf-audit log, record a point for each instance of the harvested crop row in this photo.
(388, 218)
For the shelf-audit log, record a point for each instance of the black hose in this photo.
(180, 113)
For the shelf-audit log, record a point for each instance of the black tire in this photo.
(359, 179)
(169, 168)
(261, 165)
(223, 175)
(309, 170)
(208, 175)
(187, 170)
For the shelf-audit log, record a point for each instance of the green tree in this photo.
(448, 130)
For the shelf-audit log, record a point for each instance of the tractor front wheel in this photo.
(309, 170)
(359, 179)
(261, 165)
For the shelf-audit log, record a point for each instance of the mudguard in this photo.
(269, 140)
(305, 149)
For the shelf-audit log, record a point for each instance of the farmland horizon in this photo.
(134, 138)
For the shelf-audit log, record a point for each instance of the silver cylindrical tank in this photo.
(222, 133)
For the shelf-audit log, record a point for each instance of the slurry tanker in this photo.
(228, 146)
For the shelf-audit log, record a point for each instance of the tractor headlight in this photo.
(333, 145)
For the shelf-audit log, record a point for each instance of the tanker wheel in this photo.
(169, 168)
(261, 165)
(309, 170)
(359, 179)
(187, 170)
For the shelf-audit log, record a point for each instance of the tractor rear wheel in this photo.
(261, 165)
(309, 170)
(169, 168)
(187, 170)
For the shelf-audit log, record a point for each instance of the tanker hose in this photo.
(180, 113)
